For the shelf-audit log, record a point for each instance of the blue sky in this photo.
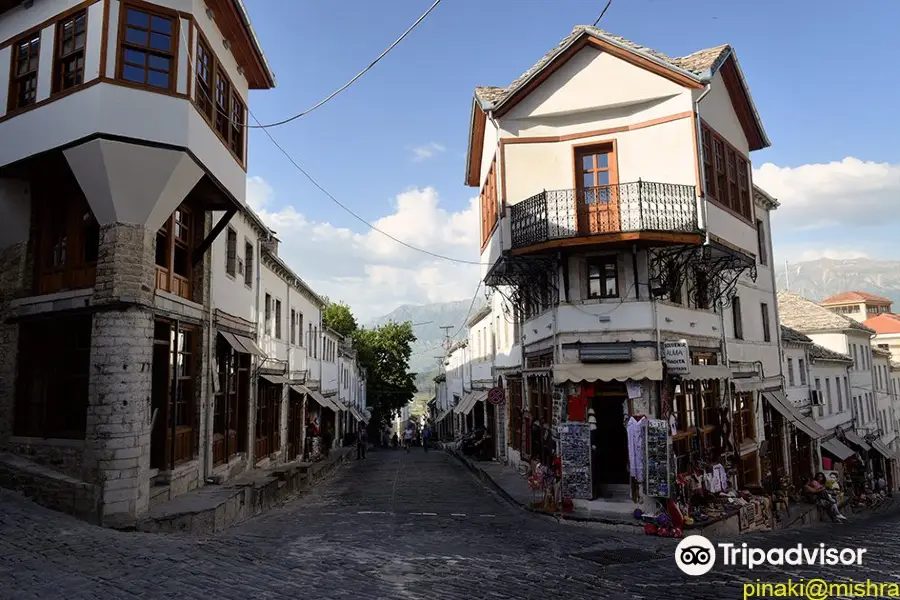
(819, 73)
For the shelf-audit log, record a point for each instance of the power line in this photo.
(602, 13)
(469, 312)
(355, 77)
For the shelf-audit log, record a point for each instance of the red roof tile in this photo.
(848, 297)
(884, 323)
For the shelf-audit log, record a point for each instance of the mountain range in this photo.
(816, 280)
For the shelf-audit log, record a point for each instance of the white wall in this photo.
(230, 294)
(831, 376)
(798, 390)
(716, 109)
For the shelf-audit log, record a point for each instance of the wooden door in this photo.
(596, 198)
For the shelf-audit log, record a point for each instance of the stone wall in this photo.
(126, 265)
(64, 456)
(117, 451)
(13, 266)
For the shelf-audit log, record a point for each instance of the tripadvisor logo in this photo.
(696, 555)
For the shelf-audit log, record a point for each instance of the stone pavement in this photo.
(395, 525)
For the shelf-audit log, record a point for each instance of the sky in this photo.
(392, 147)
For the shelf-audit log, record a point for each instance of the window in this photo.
(278, 319)
(231, 252)
(790, 371)
(839, 392)
(174, 242)
(173, 395)
(231, 408)
(744, 417)
(488, 197)
(236, 138)
(855, 356)
(54, 367)
(701, 290)
(695, 408)
(767, 333)
(204, 79)
(293, 326)
(761, 245)
(147, 51)
(736, 318)
(801, 364)
(603, 278)
(222, 99)
(749, 473)
(69, 65)
(268, 417)
(819, 399)
(267, 319)
(727, 174)
(23, 79)
(299, 328)
(248, 264)
(828, 396)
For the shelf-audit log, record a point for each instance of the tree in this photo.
(339, 317)
(384, 352)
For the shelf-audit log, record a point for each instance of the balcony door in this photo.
(597, 198)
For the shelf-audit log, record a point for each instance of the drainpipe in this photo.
(699, 134)
(210, 397)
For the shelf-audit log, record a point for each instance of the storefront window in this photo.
(744, 418)
(697, 421)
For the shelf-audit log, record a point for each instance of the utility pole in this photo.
(787, 276)
(446, 329)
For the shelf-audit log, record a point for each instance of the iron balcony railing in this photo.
(620, 208)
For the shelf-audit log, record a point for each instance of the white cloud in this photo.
(832, 253)
(429, 150)
(369, 271)
(850, 192)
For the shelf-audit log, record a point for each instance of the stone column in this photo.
(117, 446)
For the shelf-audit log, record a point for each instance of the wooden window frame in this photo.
(52, 385)
(489, 209)
(15, 80)
(278, 323)
(230, 414)
(293, 326)
(166, 277)
(766, 322)
(249, 263)
(762, 246)
(727, 182)
(267, 314)
(171, 55)
(737, 318)
(742, 408)
(231, 258)
(268, 421)
(790, 370)
(696, 411)
(62, 213)
(601, 263)
(60, 60)
(233, 137)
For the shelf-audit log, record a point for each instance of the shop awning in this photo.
(883, 450)
(837, 449)
(705, 372)
(469, 401)
(337, 402)
(274, 379)
(807, 425)
(241, 343)
(356, 414)
(856, 441)
(319, 398)
(590, 372)
(443, 415)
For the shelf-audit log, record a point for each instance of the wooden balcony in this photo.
(625, 212)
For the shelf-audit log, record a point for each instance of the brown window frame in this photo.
(744, 420)
(228, 121)
(171, 54)
(52, 383)
(278, 330)
(601, 263)
(293, 326)
(696, 412)
(766, 322)
(16, 80)
(67, 238)
(249, 264)
(231, 404)
(762, 246)
(61, 59)
(267, 315)
(268, 420)
(727, 179)
(488, 199)
(182, 218)
(737, 318)
(231, 259)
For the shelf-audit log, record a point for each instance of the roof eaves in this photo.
(245, 17)
(759, 124)
(770, 201)
(647, 55)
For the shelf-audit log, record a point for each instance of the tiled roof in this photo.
(884, 323)
(821, 353)
(694, 64)
(805, 315)
(792, 336)
(847, 297)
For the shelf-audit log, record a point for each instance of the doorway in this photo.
(609, 460)
(596, 191)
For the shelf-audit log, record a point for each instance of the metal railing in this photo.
(620, 208)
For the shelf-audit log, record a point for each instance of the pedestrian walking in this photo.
(426, 437)
(407, 438)
(362, 442)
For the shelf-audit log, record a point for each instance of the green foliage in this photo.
(384, 353)
(338, 317)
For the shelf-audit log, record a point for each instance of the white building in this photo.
(616, 219)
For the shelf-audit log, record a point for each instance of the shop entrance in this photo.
(610, 441)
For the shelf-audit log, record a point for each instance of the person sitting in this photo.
(817, 488)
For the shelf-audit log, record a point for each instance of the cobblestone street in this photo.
(396, 525)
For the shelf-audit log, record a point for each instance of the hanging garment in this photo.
(637, 447)
(721, 476)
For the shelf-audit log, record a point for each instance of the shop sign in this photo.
(677, 357)
(496, 396)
